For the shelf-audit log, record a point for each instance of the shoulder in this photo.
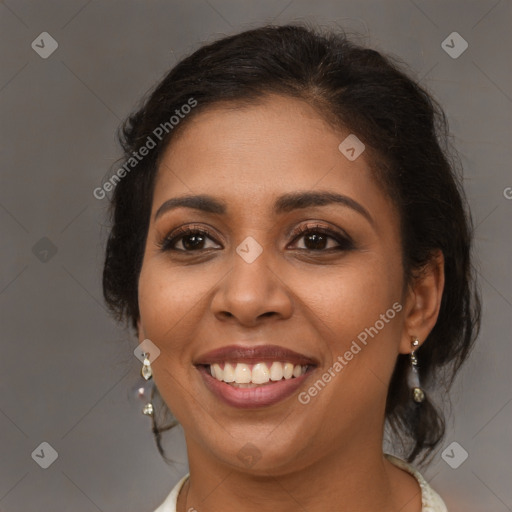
(431, 501)
(169, 504)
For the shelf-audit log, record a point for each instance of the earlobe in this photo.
(423, 302)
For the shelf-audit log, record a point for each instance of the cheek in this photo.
(351, 298)
(356, 310)
(170, 305)
(170, 302)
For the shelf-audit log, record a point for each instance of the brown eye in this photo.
(187, 240)
(321, 239)
(191, 242)
(315, 241)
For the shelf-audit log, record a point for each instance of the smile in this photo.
(245, 375)
(253, 377)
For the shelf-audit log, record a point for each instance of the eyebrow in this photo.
(284, 204)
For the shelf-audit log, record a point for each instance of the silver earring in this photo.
(418, 394)
(147, 373)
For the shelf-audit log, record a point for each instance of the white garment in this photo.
(430, 500)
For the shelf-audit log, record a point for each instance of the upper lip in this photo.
(254, 354)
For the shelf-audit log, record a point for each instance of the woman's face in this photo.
(318, 280)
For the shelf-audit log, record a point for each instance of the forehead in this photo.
(250, 154)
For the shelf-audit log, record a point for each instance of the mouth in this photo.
(243, 375)
(255, 376)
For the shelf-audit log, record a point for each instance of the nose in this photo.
(251, 293)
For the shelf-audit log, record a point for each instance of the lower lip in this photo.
(249, 398)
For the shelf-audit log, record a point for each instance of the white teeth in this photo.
(241, 373)
(276, 371)
(217, 372)
(229, 373)
(288, 370)
(260, 374)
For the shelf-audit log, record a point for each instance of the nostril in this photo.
(269, 313)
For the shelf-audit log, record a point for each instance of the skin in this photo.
(326, 455)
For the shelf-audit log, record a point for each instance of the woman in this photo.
(291, 245)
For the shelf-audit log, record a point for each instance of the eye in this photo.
(187, 239)
(318, 238)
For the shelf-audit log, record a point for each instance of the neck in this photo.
(355, 479)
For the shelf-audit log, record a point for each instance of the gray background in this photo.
(66, 369)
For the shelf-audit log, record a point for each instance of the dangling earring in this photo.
(418, 394)
(147, 374)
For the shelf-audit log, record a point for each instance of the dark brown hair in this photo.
(404, 129)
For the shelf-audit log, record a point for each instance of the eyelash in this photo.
(168, 242)
(344, 241)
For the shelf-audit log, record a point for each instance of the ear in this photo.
(422, 303)
(140, 331)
